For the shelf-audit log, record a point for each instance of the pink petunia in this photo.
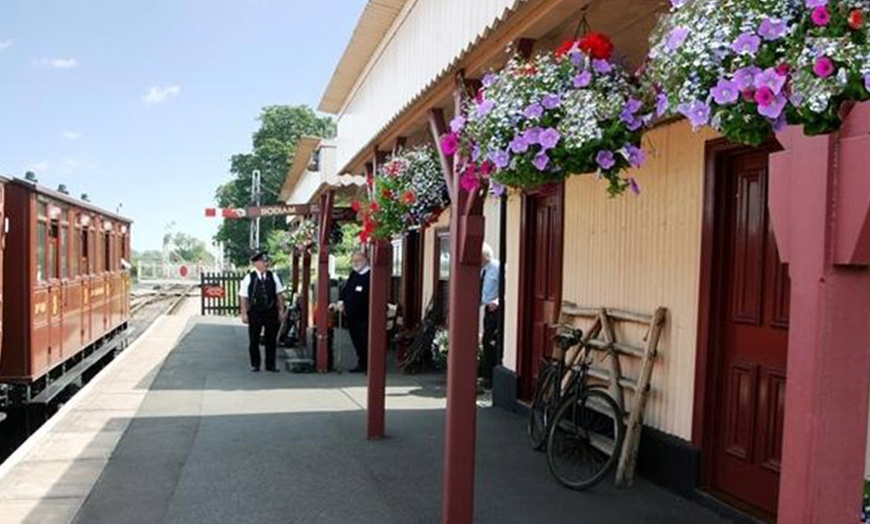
(821, 16)
(764, 96)
(449, 143)
(824, 67)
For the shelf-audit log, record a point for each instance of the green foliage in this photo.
(274, 145)
(188, 248)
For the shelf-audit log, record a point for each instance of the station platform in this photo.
(179, 430)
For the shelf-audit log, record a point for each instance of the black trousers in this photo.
(490, 342)
(257, 323)
(359, 335)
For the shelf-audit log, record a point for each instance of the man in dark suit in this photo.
(262, 307)
(354, 303)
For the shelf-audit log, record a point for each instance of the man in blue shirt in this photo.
(490, 276)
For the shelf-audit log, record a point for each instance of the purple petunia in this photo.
(774, 109)
(551, 101)
(632, 106)
(532, 135)
(541, 161)
(496, 189)
(635, 155)
(534, 111)
(519, 144)
(489, 79)
(605, 159)
(771, 79)
(457, 124)
(824, 67)
(476, 152)
(816, 3)
(746, 44)
(745, 77)
(697, 112)
(725, 92)
(635, 187)
(780, 123)
(676, 4)
(500, 158)
(602, 66)
(676, 38)
(867, 82)
(772, 28)
(662, 104)
(583, 80)
(484, 108)
(549, 138)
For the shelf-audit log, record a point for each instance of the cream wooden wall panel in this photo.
(422, 44)
(641, 252)
(512, 280)
(429, 239)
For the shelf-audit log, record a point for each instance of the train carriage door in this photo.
(107, 277)
(55, 290)
(84, 270)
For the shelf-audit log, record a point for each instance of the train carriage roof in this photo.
(56, 195)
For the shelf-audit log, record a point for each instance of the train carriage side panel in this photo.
(19, 273)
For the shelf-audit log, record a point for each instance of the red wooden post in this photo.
(294, 273)
(466, 240)
(379, 289)
(305, 296)
(322, 318)
(820, 207)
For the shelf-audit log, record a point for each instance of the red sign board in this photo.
(213, 292)
(182, 271)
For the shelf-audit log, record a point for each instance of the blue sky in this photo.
(143, 103)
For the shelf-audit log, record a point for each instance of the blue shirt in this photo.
(489, 276)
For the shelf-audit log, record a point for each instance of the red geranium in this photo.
(388, 194)
(856, 19)
(565, 48)
(409, 197)
(355, 206)
(597, 45)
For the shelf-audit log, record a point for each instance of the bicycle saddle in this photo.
(568, 336)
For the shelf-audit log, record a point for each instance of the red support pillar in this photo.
(379, 290)
(820, 207)
(466, 241)
(305, 297)
(322, 317)
(294, 272)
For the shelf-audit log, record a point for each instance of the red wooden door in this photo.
(750, 406)
(542, 276)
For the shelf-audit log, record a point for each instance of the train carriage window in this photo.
(52, 251)
(40, 251)
(77, 252)
(64, 251)
(107, 252)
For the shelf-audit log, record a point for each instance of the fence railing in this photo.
(220, 292)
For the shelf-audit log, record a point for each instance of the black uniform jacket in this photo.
(355, 295)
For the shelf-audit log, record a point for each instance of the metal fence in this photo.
(220, 292)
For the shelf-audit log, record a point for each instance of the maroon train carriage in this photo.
(66, 299)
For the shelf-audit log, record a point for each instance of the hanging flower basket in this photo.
(749, 67)
(408, 192)
(536, 122)
(304, 237)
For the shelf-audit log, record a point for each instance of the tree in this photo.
(190, 249)
(274, 146)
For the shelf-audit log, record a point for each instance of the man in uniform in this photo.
(354, 302)
(262, 308)
(489, 293)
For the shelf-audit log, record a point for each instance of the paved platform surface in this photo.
(211, 442)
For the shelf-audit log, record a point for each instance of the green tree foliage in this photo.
(274, 145)
(187, 248)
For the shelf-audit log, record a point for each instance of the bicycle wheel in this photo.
(585, 439)
(541, 408)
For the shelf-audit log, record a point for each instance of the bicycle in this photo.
(586, 433)
(548, 390)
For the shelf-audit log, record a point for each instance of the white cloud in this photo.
(56, 63)
(39, 167)
(5, 44)
(71, 135)
(158, 95)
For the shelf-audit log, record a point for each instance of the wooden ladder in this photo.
(600, 335)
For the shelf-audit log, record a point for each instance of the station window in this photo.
(85, 252)
(40, 251)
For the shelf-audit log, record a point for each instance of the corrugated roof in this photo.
(373, 25)
(301, 159)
